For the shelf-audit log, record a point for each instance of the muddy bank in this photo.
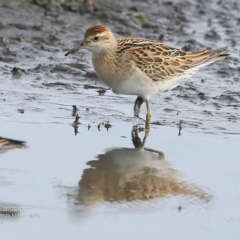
(37, 78)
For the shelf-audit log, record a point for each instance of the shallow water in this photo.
(93, 180)
(188, 187)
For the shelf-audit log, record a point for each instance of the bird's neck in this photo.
(108, 52)
(105, 64)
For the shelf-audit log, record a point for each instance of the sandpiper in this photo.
(141, 67)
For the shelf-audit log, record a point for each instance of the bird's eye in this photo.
(96, 38)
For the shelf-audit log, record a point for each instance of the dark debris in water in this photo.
(21, 111)
(74, 110)
(180, 208)
(105, 124)
(75, 124)
(180, 128)
(76, 121)
(17, 72)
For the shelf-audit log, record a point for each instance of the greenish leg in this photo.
(149, 114)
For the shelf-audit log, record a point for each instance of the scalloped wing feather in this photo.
(159, 61)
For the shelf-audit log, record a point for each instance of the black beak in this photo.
(75, 49)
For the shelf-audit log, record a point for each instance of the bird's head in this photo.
(97, 39)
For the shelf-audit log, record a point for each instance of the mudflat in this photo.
(85, 171)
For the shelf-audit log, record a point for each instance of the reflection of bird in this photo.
(141, 67)
(125, 174)
(132, 174)
(7, 144)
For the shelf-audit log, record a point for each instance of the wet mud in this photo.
(32, 59)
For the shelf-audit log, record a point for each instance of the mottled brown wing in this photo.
(159, 61)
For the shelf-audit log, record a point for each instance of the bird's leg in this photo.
(149, 115)
(139, 101)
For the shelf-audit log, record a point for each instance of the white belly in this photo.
(130, 80)
(145, 87)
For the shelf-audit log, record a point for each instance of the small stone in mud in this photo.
(201, 96)
(187, 48)
(191, 45)
(87, 6)
(5, 40)
(88, 86)
(212, 35)
(17, 72)
(161, 37)
(21, 111)
(56, 84)
(101, 92)
(91, 75)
